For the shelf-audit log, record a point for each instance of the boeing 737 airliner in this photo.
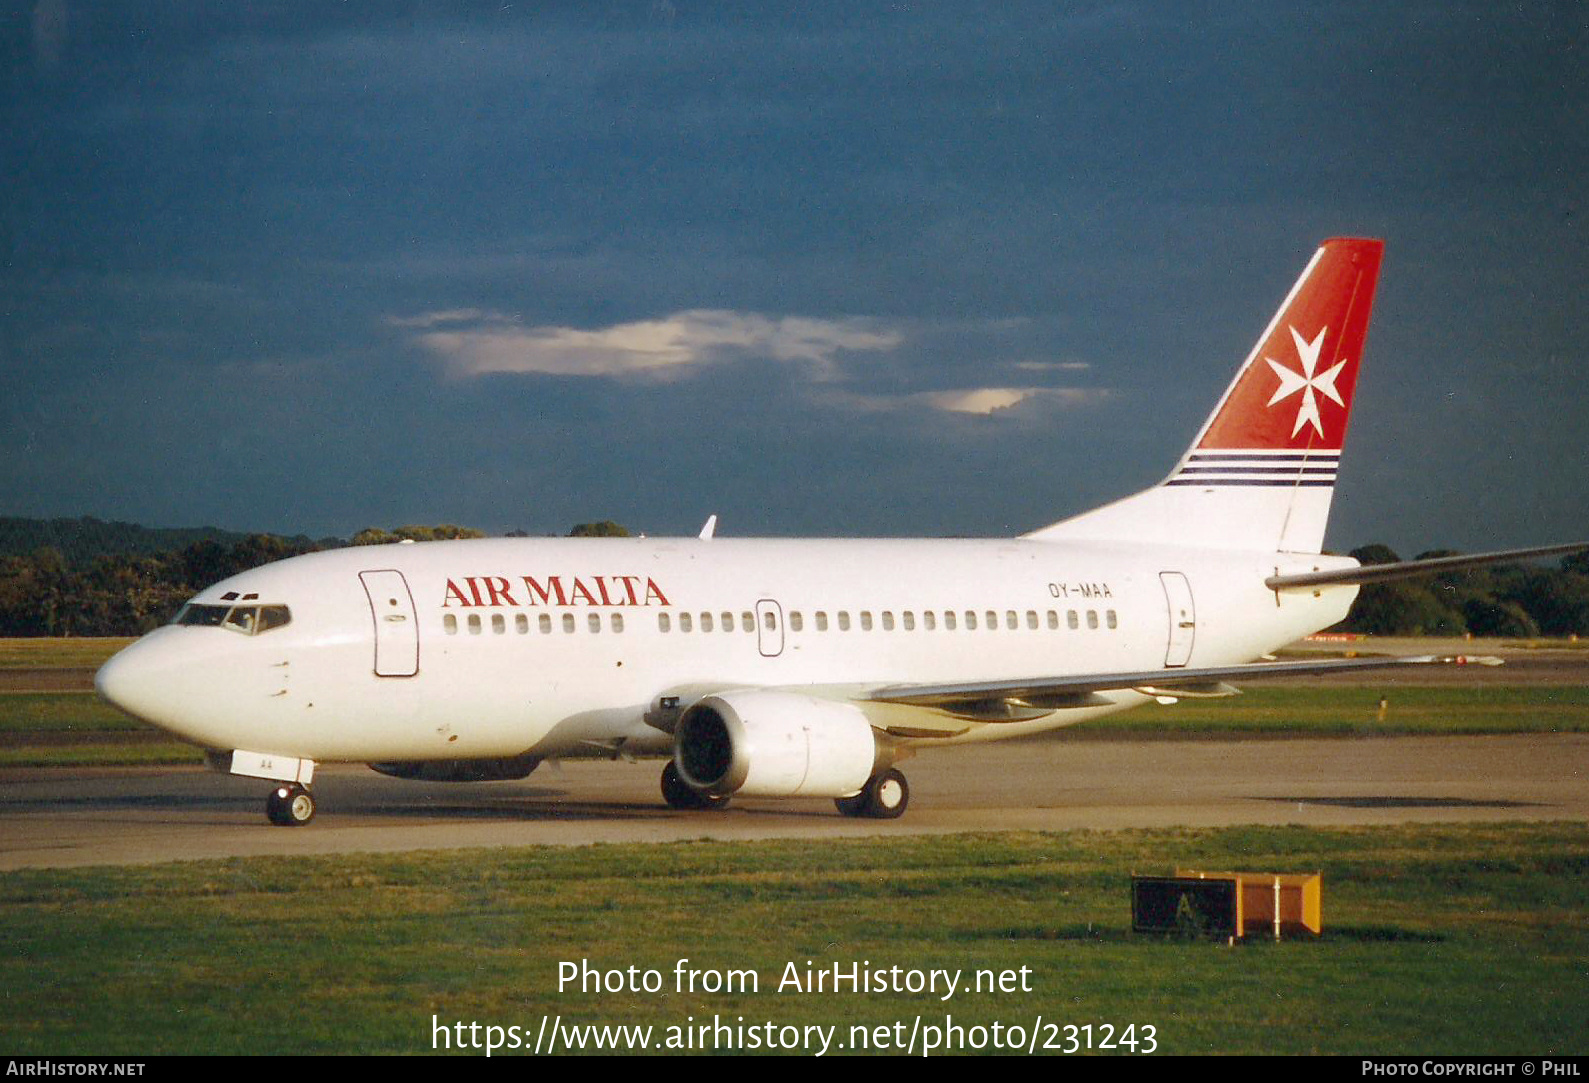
(780, 668)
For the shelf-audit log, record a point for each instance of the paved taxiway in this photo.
(62, 817)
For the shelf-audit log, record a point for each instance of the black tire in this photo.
(887, 794)
(289, 806)
(854, 805)
(681, 795)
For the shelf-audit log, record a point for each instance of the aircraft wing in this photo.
(1020, 700)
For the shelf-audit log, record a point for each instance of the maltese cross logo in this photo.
(1306, 382)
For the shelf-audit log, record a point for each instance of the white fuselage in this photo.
(555, 647)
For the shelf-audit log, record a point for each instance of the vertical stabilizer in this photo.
(1261, 472)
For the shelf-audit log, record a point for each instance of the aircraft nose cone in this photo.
(128, 682)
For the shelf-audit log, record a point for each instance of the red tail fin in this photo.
(1261, 472)
(1295, 390)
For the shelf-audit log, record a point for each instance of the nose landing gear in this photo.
(290, 805)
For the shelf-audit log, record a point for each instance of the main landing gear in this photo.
(289, 805)
(884, 797)
(679, 794)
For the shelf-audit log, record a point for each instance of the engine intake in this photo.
(774, 744)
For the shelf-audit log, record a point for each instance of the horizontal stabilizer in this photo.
(973, 697)
(1381, 573)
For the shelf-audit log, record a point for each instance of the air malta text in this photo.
(589, 590)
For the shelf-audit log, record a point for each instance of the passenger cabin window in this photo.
(546, 623)
(971, 620)
(1111, 619)
(450, 623)
(474, 624)
(617, 622)
(844, 620)
(568, 623)
(706, 622)
(796, 621)
(522, 624)
(929, 620)
(949, 620)
(866, 620)
(888, 620)
(664, 623)
(822, 620)
(1092, 618)
(594, 622)
(1071, 620)
(747, 621)
(728, 622)
(684, 622)
(909, 620)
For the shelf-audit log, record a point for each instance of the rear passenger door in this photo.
(1183, 618)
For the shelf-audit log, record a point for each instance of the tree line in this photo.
(1509, 600)
(43, 593)
(85, 539)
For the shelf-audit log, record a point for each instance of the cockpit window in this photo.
(273, 616)
(246, 620)
(207, 615)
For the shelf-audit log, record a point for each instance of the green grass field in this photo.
(1466, 939)
(61, 712)
(60, 729)
(72, 728)
(47, 653)
(1349, 711)
(40, 729)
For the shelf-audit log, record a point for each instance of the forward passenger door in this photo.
(396, 626)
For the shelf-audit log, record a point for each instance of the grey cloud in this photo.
(472, 343)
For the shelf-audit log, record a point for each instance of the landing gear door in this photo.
(1183, 618)
(396, 628)
(769, 628)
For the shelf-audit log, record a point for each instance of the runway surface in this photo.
(110, 816)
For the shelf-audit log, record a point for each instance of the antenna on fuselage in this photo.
(709, 529)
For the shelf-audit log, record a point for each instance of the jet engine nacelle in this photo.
(494, 769)
(774, 744)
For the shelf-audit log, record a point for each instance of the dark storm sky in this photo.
(843, 268)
